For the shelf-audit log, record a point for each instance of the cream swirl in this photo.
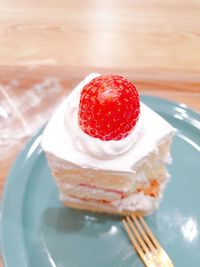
(94, 146)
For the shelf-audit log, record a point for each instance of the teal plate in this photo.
(38, 231)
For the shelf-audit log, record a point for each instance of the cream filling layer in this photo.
(136, 202)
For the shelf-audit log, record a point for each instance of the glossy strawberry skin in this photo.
(109, 107)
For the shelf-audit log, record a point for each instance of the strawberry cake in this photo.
(106, 149)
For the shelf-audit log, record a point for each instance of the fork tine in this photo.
(142, 232)
(149, 249)
(148, 231)
(165, 258)
(134, 242)
(136, 233)
(159, 249)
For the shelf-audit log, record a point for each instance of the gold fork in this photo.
(145, 243)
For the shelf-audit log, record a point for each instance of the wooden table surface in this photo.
(46, 47)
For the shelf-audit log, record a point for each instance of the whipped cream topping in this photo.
(94, 146)
(61, 138)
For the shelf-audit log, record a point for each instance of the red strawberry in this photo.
(109, 107)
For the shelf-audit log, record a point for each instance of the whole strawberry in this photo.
(109, 107)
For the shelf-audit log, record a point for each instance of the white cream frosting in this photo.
(63, 138)
(94, 146)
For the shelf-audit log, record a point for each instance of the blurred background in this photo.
(47, 47)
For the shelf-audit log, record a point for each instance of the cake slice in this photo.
(106, 149)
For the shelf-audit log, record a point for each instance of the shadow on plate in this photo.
(65, 219)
